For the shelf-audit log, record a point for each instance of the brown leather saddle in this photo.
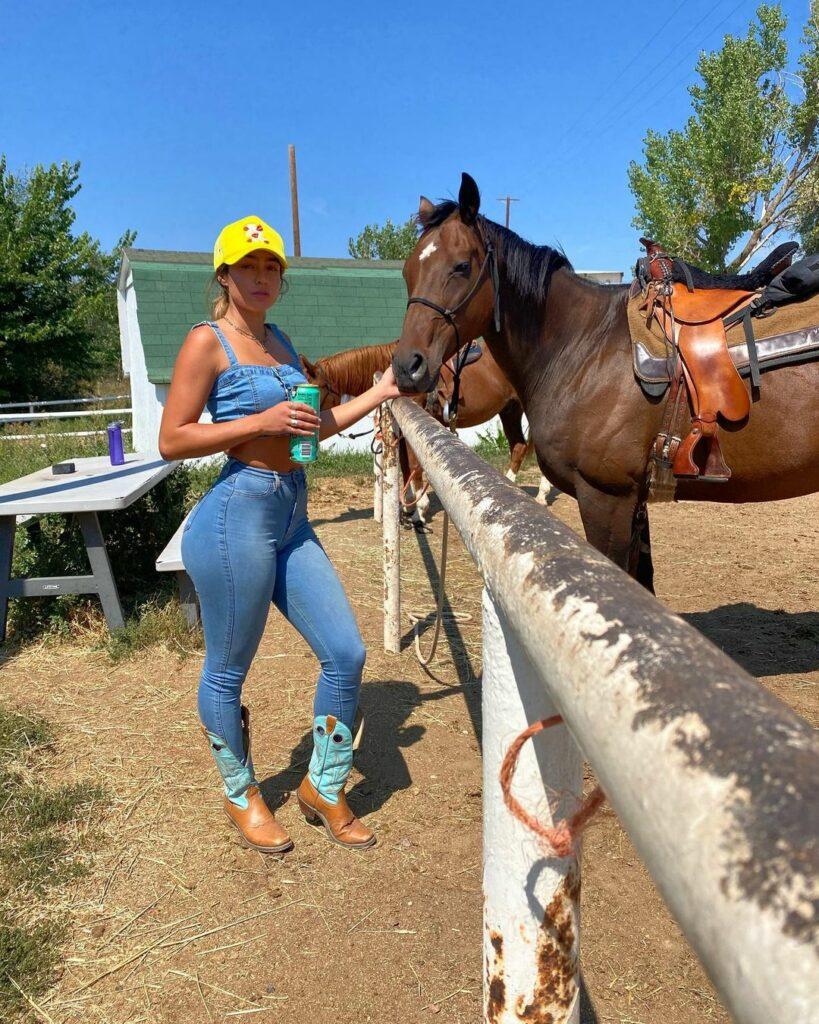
(691, 319)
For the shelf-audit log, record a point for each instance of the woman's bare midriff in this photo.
(265, 453)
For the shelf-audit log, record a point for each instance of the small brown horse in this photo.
(564, 344)
(485, 392)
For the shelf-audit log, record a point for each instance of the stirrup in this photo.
(716, 469)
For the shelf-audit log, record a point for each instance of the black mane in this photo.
(527, 268)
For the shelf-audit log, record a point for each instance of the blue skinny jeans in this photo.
(249, 542)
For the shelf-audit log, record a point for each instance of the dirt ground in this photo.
(179, 923)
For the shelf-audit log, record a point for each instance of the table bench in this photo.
(171, 561)
(96, 486)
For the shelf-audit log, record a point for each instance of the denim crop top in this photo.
(245, 388)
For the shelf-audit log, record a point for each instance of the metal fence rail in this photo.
(31, 406)
(713, 777)
(67, 433)
(35, 417)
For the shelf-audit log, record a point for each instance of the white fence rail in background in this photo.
(713, 777)
(35, 417)
(31, 406)
(71, 414)
(67, 433)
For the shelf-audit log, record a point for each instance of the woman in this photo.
(248, 541)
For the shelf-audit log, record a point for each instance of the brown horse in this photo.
(564, 344)
(485, 392)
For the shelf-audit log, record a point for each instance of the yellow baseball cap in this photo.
(246, 235)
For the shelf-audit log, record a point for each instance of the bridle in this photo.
(490, 265)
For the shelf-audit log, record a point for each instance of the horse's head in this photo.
(451, 281)
(314, 372)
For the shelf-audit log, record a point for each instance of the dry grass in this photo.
(176, 922)
(46, 841)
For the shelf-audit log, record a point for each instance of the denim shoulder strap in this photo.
(287, 344)
(223, 342)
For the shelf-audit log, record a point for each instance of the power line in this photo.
(656, 67)
(591, 106)
(670, 71)
(646, 45)
(609, 116)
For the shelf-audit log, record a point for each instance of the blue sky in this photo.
(181, 113)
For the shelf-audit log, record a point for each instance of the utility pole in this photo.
(508, 200)
(294, 202)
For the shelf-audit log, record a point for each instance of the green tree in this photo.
(390, 242)
(58, 322)
(744, 167)
(807, 212)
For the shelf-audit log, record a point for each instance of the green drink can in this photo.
(305, 449)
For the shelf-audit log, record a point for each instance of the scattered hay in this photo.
(45, 842)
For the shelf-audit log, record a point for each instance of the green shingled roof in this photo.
(331, 304)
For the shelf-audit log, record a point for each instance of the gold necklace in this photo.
(247, 334)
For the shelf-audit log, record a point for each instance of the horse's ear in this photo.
(308, 367)
(469, 199)
(425, 208)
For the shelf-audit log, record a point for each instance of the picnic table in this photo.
(95, 486)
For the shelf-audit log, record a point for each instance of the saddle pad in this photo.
(789, 334)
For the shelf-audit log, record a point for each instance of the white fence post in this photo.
(391, 510)
(531, 900)
(378, 472)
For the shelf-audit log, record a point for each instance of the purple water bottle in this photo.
(115, 451)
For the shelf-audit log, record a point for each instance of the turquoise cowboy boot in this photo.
(321, 793)
(244, 806)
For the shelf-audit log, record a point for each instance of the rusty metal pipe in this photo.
(713, 777)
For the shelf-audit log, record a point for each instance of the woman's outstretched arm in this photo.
(345, 415)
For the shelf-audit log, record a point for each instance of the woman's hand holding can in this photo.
(289, 419)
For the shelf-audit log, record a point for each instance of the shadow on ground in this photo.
(349, 516)
(764, 641)
(386, 705)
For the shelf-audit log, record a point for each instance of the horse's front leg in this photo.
(414, 498)
(545, 489)
(422, 502)
(517, 455)
(617, 525)
(511, 417)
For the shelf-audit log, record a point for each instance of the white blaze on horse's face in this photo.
(428, 251)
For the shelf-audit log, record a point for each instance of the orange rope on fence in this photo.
(561, 837)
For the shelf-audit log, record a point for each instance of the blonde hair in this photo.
(220, 301)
